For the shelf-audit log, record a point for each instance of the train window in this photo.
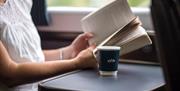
(65, 15)
(93, 3)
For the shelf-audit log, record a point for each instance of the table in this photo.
(131, 77)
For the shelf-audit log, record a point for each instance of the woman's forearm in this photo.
(52, 54)
(31, 72)
(59, 54)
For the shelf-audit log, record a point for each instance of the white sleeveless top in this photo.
(19, 35)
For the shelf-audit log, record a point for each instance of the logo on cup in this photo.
(111, 60)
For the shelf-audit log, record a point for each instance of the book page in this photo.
(107, 20)
(122, 33)
(129, 38)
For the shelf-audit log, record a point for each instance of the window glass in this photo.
(93, 3)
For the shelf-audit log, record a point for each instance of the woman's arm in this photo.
(58, 54)
(13, 74)
(71, 51)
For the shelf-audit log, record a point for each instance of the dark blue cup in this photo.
(108, 59)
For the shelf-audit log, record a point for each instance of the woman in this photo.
(21, 58)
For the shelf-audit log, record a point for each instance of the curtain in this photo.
(39, 12)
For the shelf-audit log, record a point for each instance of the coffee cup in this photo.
(108, 59)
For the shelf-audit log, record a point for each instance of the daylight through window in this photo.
(93, 3)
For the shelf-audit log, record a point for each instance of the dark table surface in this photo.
(131, 77)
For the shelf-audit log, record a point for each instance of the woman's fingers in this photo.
(92, 47)
(86, 36)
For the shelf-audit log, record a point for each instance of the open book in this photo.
(115, 25)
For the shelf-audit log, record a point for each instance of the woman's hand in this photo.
(80, 43)
(86, 59)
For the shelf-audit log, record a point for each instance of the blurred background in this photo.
(93, 3)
